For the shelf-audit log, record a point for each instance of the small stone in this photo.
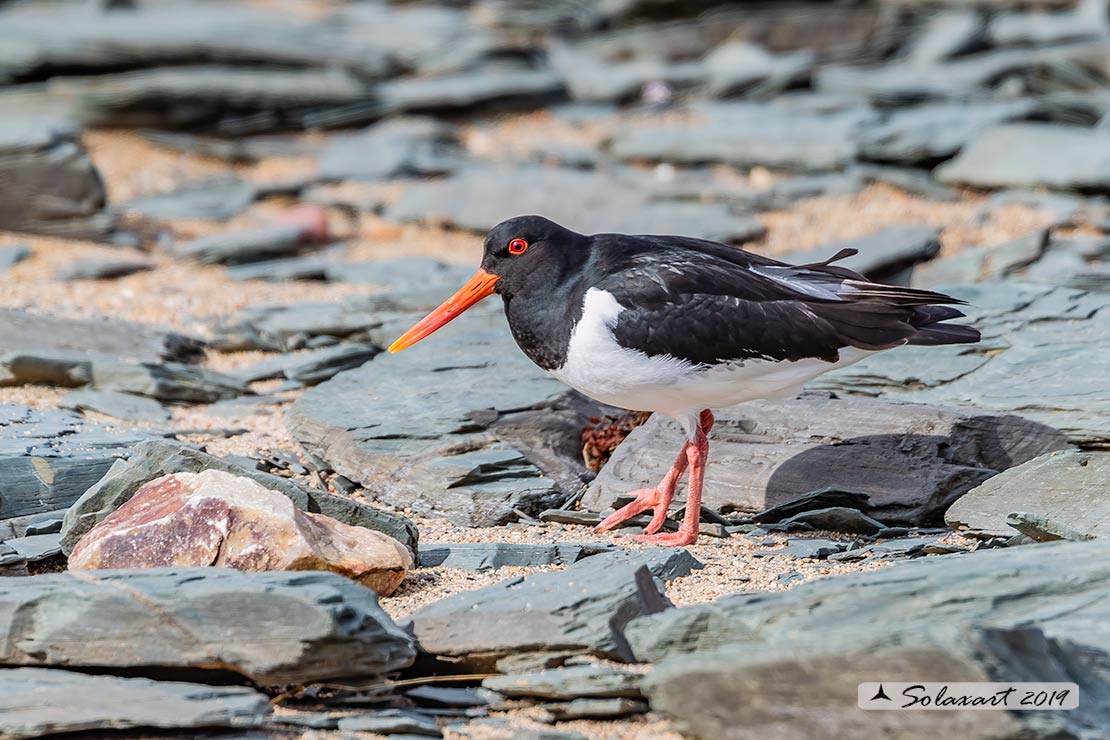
(481, 556)
(119, 405)
(806, 549)
(593, 681)
(217, 519)
(837, 519)
(392, 722)
(596, 709)
(103, 269)
(571, 516)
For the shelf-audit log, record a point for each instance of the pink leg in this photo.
(696, 454)
(659, 498)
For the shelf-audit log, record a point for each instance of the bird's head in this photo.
(525, 253)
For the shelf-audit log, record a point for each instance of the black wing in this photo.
(707, 306)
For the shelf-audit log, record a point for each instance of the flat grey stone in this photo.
(580, 610)
(399, 147)
(103, 269)
(46, 522)
(984, 263)
(590, 77)
(478, 198)
(1042, 357)
(237, 247)
(596, 709)
(33, 548)
(739, 65)
(170, 381)
(781, 134)
(279, 328)
(12, 255)
(392, 722)
(437, 437)
(1068, 488)
(929, 133)
(37, 701)
(29, 332)
(999, 615)
(1086, 20)
(49, 458)
(274, 628)
(156, 458)
(822, 498)
(883, 255)
(594, 681)
(806, 549)
(466, 89)
(945, 34)
(322, 364)
(837, 519)
(311, 267)
(43, 155)
(911, 460)
(480, 556)
(1033, 155)
(219, 200)
(119, 405)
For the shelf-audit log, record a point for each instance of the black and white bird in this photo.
(680, 326)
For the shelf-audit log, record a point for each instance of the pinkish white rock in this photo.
(219, 519)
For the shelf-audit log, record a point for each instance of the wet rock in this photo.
(984, 263)
(437, 437)
(119, 405)
(218, 200)
(400, 147)
(103, 269)
(53, 187)
(480, 556)
(49, 458)
(911, 460)
(1042, 357)
(10, 256)
(830, 634)
(217, 519)
(581, 610)
(37, 701)
(157, 458)
(274, 628)
(479, 198)
(930, 133)
(1067, 488)
(886, 255)
(786, 135)
(1033, 155)
(24, 331)
(594, 681)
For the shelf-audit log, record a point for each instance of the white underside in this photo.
(600, 368)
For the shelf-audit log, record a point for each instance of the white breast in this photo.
(600, 368)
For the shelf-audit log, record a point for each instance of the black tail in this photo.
(931, 329)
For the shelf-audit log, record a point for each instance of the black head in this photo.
(531, 253)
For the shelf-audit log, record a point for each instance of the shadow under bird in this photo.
(680, 326)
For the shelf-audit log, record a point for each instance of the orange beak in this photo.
(478, 287)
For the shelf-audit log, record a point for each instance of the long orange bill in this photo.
(478, 287)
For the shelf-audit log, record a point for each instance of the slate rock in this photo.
(38, 701)
(279, 328)
(156, 458)
(252, 245)
(945, 34)
(448, 696)
(594, 681)
(596, 709)
(217, 200)
(218, 519)
(310, 267)
(738, 65)
(36, 547)
(1042, 357)
(592, 77)
(884, 255)
(479, 198)
(837, 519)
(274, 628)
(49, 458)
(806, 549)
(12, 255)
(322, 364)
(822, 498)
(911, 460)
(781, 134)
(47, 522)
(392, 722)
(103, 269)
(119, 405)
(580, 610)
(52, 187)
(984, 263)
(170, 381)
(413, 146)
(999, 615)
(481, 556)
(1033, 155)
(1068, 488)
(436, 437)
(467, 89)
(927, 134)
(33, 332)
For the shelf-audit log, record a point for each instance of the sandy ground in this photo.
(187, 297)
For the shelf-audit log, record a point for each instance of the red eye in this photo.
(518, 246)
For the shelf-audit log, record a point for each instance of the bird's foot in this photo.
(681, 538)
(646, 498)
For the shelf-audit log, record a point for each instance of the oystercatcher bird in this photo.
(680, 326)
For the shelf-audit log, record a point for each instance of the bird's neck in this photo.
(542, 322)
